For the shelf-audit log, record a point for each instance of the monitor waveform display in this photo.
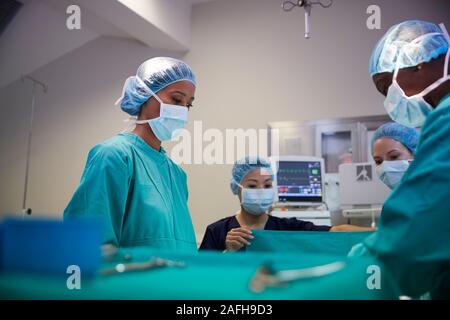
(299, 181)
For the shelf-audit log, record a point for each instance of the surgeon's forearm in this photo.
(350, 228)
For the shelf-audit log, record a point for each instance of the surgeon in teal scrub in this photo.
(410, 66)
(129, 183)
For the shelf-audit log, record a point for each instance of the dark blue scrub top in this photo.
(216, 232)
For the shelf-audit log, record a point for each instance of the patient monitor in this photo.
(299, 184)
(298, 180)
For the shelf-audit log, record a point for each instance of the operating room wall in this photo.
(253, 67)
(76, 113)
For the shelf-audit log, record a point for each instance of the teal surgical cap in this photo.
(244, 166)
(409, 137)
(408, 44)
(152, 76)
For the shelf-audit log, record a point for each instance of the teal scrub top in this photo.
(413, 238)
(138, 193)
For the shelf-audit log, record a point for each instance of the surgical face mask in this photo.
(391, 172)
(413, 111)
(257, 201)
(171, 120)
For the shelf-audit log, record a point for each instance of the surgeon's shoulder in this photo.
(115, 150)
(438, 121)
(178, 169)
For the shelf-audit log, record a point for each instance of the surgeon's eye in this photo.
(252, 186)
(268, 186)
(177, 102)
(378, 162)
(394, 157)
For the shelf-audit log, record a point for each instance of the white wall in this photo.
(77, 112)
(38, 29)
(38, 33)
(253, 66)
(163, 13)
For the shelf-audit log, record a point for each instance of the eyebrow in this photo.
(255, 180)
(394, 150)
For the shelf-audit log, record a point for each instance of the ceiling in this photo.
(160, 24)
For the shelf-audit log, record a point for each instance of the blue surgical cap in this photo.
(154, 74)
(408, 44)
(409, 137)
(243, 167)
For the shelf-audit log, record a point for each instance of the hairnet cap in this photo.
(408, 44)
(152, 76)
(409, 137)
(243, 167)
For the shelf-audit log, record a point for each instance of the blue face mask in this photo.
(391, 172)
(412, 111)
(171, 120)
(257, 201)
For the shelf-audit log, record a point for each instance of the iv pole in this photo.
(307, 6)
(35, 82)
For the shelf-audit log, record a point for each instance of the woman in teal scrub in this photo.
(129, 183)
(410, 66)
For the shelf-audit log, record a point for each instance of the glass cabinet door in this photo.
(336, 140)
(336, 144)
(291, 139)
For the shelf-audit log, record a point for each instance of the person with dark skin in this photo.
(410, 66)
(415, 79)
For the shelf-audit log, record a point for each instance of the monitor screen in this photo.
(299, 181)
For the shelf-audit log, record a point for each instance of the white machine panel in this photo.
(362, 213)
(359, 185)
